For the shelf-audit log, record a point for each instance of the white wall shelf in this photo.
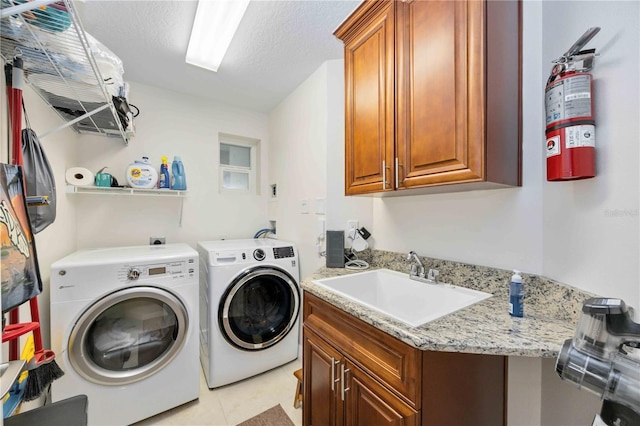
(135, 192)
(98, 190)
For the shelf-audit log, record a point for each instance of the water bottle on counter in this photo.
(178, 178)
(516, 295)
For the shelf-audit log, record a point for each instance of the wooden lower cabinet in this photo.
(323, 406)
(338, 392)
(370, 403)
(357, 375)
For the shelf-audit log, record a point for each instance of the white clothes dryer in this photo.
(249, 307)
(124, 330)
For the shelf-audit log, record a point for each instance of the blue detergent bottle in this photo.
(178, 178)
(164, 181)
(516, 295)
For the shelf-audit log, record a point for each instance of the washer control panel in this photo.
(250, 255)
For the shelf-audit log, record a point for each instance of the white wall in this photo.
(307, 162)
(173, 124)
(297, 159)
(498, 228)
(340, 209)
(591, 226)
(582, 233)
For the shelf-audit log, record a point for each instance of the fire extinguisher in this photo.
(570, 123)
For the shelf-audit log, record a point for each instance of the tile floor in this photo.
(237, 402)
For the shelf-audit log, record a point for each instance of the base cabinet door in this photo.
(367, 402)
(321, 404)
(337, 392)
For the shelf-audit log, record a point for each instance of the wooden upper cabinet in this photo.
(369, 113)
(453, 102)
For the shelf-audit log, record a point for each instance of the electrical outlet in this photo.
(154, 241)
(352, 228)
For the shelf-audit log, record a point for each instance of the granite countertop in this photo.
(551, 311)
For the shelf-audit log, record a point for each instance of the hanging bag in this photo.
(38, 177)
(20, 272)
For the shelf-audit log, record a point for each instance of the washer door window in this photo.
(128, 335)
(259, 308)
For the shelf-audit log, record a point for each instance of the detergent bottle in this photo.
(163, 181)
(516, 295)
(141, 174)
(178, 178)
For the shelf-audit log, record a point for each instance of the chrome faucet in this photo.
(417, 271)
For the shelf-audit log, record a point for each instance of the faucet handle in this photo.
(413, 269)
(433, 275)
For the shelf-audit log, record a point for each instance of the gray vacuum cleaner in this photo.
(604, 358)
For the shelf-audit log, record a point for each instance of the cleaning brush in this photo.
(43, 370)
(42, 367)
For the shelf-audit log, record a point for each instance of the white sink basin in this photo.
(396, 295)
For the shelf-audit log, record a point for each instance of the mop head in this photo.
(40, 378)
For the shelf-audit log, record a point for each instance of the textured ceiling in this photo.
(278, 45)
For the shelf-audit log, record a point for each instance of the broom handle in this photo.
(35, 317)
(14, 318)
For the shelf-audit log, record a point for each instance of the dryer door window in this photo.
(259, 308)
(128, 335)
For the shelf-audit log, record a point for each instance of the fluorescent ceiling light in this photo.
(215, 24)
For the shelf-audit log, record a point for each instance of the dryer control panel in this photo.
(170, 270)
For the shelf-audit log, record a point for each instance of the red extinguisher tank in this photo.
(570, 129)
(570, 124)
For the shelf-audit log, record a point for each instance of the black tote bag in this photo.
(39, 179)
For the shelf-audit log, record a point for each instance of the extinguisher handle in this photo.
(582, 41)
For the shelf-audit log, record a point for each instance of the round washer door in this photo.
(259, 308)
(128, 335)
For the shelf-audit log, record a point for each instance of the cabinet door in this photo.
(321, 405)
(369, 103)
(368, 403)
(440, 92)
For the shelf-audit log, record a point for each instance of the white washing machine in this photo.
(249, 307)
(124, 330)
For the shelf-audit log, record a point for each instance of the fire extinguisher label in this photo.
(553, 146)
(567, 98)
(580, 136)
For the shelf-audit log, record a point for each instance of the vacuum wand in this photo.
(603, 359)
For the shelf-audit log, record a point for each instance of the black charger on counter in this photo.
(364, 233)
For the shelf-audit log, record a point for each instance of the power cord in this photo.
(353, 263)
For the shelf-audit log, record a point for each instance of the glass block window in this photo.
(239, 164)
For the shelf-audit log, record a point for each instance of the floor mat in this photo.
(274, 416)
